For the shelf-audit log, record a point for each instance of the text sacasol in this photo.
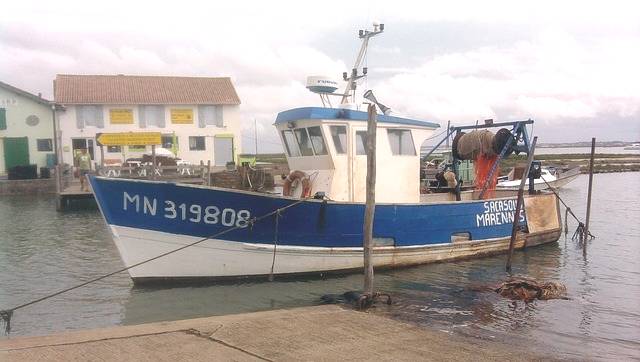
(498, 212)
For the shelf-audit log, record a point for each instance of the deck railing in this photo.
(184, 172)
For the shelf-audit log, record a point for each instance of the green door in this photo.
(16, 152)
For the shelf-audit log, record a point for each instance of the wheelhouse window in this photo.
(315, 134)
(290, 143)
(304, 142)
(401, 142)
(196, 143)
(361, 142)
(339, 136)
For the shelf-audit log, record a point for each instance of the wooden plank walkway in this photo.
(68, 191)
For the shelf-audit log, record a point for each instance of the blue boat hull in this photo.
(148, 218)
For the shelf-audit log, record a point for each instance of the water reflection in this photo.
(42, 251)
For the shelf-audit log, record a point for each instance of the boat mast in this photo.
(365, 35)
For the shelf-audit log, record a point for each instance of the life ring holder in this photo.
(297, 175)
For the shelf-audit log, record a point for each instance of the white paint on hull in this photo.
(220, 258)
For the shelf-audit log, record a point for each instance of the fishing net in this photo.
(483, 164)
(474, 143)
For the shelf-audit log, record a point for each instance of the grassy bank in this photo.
(603, 163)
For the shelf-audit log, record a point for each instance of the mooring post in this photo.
(58, 187)
(153, 161)
(516, 215)
(586, 223)
(370, 201)
(58, 169)
(101, 156)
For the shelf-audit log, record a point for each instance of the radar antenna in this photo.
(365, 35)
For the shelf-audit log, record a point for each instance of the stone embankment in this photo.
(28, 187)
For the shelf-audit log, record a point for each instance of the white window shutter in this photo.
(219, 116)
(80, 117)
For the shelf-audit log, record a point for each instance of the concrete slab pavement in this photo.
(322, 333)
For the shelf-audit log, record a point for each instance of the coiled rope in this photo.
(6, 314)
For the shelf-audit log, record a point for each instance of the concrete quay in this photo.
(321, 333)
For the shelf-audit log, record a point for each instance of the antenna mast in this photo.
(365, 35)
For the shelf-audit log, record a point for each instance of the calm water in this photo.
(42, 251)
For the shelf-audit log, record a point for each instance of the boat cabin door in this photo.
(350, 161)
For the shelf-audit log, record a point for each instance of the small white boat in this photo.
(548, 177)
(634, 146)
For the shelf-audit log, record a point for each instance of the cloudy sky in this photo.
(573, 66)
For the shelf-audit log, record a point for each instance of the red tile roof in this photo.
(134, 89)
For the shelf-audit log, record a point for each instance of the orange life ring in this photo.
(293, 176)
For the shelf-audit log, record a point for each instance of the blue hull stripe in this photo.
(201, 212)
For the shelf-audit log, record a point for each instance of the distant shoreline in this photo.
(585, 144)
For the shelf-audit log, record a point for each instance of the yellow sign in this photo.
(181, 115)
(121, 115)
(129, 139)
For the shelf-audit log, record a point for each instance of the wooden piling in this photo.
(153, 161)
(58, 187)
(370, 201)
(516, 215)
(586, 225)
(101, 156)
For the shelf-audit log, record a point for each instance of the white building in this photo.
(201, 114)
(26, 129)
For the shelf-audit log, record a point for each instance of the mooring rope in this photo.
(6, 314)
(275, 245)
(580, 230)
(566, 220)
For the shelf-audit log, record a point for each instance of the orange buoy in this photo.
(297, 175)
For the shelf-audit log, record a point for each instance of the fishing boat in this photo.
(633, 147)
(549, 178)
(316, 225)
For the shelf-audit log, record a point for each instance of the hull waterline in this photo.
(217, 259)
(331, 232)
